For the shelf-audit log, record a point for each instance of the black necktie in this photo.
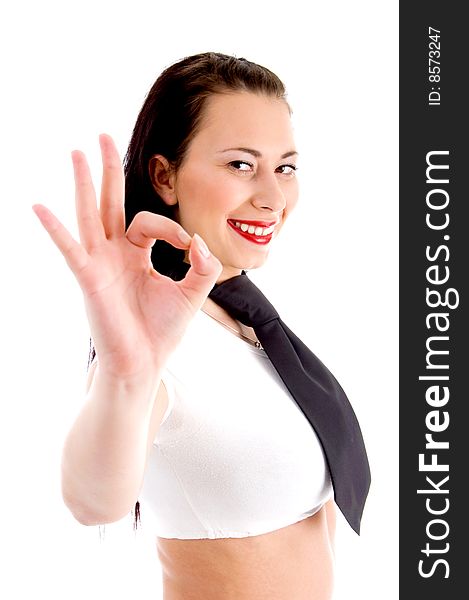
(313, 387)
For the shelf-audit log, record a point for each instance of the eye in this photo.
(288, 169)
(240, 165)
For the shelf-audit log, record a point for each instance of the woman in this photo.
(178, 389)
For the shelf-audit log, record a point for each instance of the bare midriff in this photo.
(292, 563)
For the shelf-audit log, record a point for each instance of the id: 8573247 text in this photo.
(434, 66)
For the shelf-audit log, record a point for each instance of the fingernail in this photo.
(202, 245)
(184, 236)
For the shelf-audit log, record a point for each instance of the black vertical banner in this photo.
(434, 358)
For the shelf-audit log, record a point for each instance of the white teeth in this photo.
(259, 231)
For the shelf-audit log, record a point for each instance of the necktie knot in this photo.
(241, 298)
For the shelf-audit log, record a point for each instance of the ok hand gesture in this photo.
(137, 316)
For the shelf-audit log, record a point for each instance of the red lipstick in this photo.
(255, 223)
(252, 237)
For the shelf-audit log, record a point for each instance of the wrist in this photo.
(141, 383)
(127, 368)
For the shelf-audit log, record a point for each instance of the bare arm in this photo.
(104, 455)
(137, 317)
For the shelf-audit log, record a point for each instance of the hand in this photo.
(137, 316)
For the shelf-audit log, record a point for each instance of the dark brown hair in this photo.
(168, 120)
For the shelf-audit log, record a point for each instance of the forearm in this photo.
(104, 453)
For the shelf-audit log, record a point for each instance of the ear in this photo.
(163, 177)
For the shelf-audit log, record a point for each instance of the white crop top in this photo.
(234, 455)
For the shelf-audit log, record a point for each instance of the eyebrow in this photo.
(258, 154)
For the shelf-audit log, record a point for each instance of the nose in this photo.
(268, 194)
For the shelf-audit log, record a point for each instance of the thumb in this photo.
(203, 273)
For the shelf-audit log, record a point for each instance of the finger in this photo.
(202, 275)
(147, 227)
(75, 255)
(90, 226)
(111, 205)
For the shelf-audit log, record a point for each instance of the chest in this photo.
(235, 456)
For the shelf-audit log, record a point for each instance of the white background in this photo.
(73, 70)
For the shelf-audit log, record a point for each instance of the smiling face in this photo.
(237, 182)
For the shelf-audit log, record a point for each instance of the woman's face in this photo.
(237, 183)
